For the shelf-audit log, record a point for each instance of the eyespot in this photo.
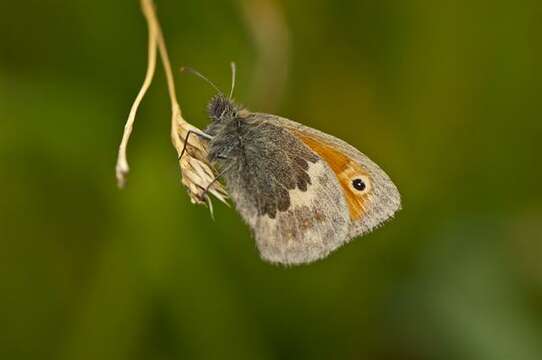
(360, 184)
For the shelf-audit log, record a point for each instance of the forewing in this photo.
(367, 209)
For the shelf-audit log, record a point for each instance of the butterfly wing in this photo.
(369, 205)
(286, 193)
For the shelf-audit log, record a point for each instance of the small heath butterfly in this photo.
(303, 193)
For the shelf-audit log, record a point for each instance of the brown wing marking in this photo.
(346, 170)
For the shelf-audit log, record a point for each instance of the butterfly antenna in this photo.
(201, 76)
(233, 74)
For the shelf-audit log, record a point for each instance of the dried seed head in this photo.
(198, 174)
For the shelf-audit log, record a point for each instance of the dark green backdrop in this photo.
(445, 96)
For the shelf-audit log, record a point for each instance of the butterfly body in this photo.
(303, 193)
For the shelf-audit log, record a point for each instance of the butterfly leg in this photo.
(185, 142)
(204, 194)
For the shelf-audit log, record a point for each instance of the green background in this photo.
(445, 96)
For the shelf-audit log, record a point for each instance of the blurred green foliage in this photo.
(446, 96)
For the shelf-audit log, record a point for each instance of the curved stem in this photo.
(122, 167)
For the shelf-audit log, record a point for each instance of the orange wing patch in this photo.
(346, 171)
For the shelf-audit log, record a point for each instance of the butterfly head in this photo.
(221, 108)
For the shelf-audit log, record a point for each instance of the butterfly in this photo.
(303, 193)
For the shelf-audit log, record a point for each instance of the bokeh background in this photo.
(445, 96)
